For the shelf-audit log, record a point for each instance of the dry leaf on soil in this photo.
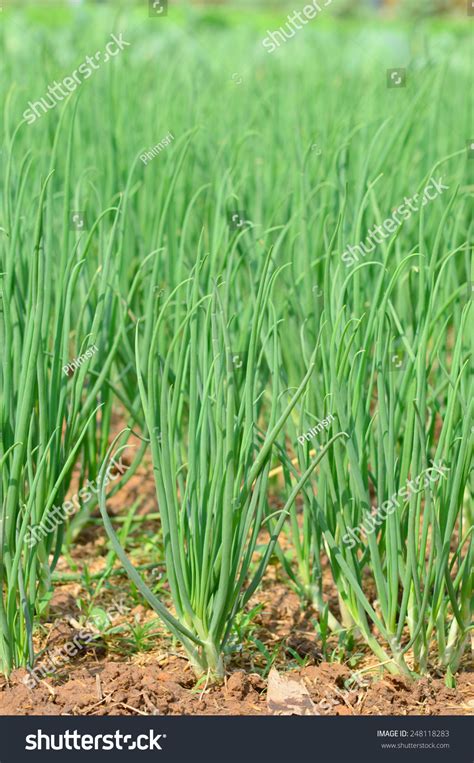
(288, 697)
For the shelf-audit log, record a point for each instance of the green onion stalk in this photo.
(212, 443)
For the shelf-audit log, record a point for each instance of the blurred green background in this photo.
(384, 8)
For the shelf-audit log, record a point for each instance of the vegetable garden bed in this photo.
(236, 392)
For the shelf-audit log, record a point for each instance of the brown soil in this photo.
(99, 682)
(167, 686)
(111, 675)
